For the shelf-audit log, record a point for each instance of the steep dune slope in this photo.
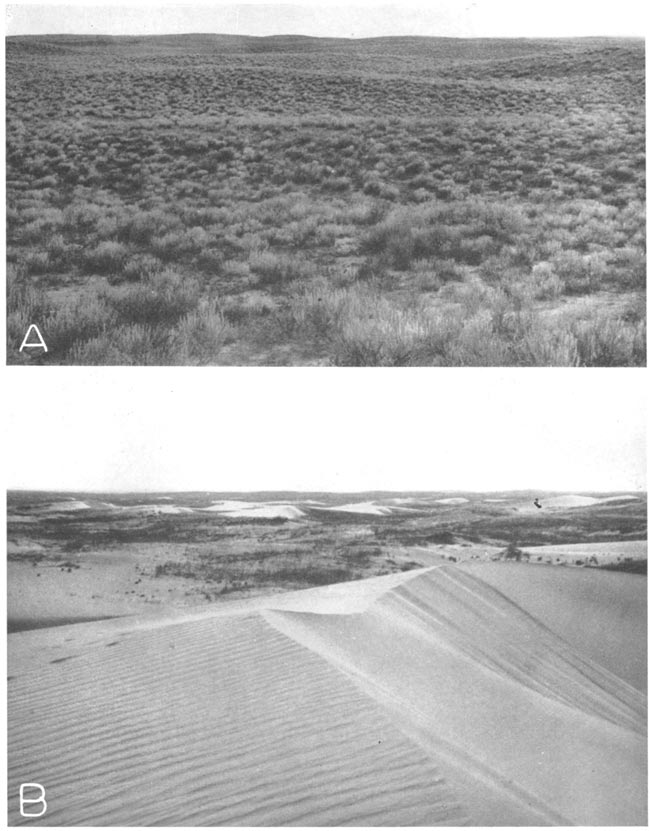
(603, 615)
(494, 696)
(428, 698)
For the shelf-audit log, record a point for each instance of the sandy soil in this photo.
(106, 583)
(605, 552)
(434, 697)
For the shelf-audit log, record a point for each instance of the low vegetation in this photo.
(208, 200)
(275, 568)
(197, 556)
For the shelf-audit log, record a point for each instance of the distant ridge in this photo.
(298, 40)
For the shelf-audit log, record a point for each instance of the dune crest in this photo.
(494, 697)
(422, 698)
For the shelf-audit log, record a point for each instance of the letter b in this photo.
(24, 800)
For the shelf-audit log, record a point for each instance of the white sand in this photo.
(452, 500)
(268, 512)
(370, 508)
(69, 505)
(603, 551)
(420, 698)
(578, 501)
(232, 505)
(602, 615)
(152, 509)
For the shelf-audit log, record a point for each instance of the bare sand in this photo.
(266, 510)
(370, 508)
(604, 552)
(442, 696)
(602, 615)
(579, 501)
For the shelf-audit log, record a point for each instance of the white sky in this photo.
(306, 429)
(364, 18)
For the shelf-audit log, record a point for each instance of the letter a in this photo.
(25, 801)
(33, 328)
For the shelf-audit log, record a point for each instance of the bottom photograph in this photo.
(334, 655)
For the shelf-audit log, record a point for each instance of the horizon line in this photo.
(322, 37)
(293, 490)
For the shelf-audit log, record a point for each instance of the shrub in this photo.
(609, 341)
(142, 227)
(467, 232)
(546, 284)
(25, 305)
(140, 267)
(88, 317)
(366, 329)
(210, 261)
(162, 300)
(200, 335)
(108, 257)
(512, 552)
(275, 269)
(37, 262)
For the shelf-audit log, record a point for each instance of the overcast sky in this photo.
(301, 429)
(363, 18)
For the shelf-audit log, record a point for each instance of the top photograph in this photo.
(272, 185)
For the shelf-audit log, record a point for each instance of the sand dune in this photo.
(452, 500)
(150, 509)
(267, 510)
(68, 505)
(493, 697)
(421, 698)
(577, 501)
(232, 505)
(370, 508)
(602, 615)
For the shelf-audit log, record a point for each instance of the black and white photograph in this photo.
(425, 614)
(445, 184)
(324, 424)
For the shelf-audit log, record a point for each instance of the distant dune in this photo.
(268, 512)
(255, 510)
(576, 501)
(361, 508)
(445, 696)
(70, 505)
